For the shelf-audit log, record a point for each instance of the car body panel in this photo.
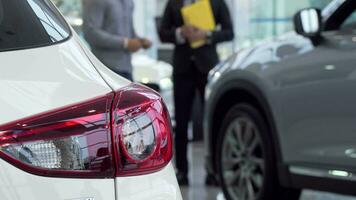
(308, 89)
(37, 80)
(161, 185)
(43, 79)
(111, 78)
(316, 122)
(16, 184)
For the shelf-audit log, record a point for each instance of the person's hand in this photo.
(133, 45)
(187, 31)
(146, 43)
(193, 34)
(197, 35)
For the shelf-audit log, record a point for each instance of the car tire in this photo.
(245, 158)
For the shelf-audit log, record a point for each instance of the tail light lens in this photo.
(141, 131)
(69, 142)
(126, 133)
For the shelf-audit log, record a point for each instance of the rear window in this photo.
(30, 23)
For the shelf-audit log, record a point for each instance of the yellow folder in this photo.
(199, 14)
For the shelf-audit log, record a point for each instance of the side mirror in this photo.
(308, 23)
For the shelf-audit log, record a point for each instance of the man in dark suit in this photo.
(191, 66)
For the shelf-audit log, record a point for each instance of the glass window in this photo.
(350, 22)
(30, 23)
(258, 20)
(72, 11)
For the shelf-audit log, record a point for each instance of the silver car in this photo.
(281, 117)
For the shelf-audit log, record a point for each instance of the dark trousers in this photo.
(185, 87)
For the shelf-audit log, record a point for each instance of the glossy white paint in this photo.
(42, 79)
(38, 80)
(16, 184)
(161, 185)
(112, 79)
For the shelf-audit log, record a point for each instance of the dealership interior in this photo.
(254, 22)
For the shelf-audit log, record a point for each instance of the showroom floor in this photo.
(197, 190)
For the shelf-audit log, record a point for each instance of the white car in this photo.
(71, 129)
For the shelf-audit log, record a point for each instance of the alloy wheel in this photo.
(243, 164)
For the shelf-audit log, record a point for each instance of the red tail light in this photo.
(141, 131)
(123, 134)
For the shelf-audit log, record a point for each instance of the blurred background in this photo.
(255, 21)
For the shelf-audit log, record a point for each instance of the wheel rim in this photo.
(243, 160)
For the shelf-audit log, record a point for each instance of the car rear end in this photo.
(70, 129)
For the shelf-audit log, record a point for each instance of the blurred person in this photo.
(108, 28)
(191, 66)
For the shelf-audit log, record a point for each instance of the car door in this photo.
(317, 100)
